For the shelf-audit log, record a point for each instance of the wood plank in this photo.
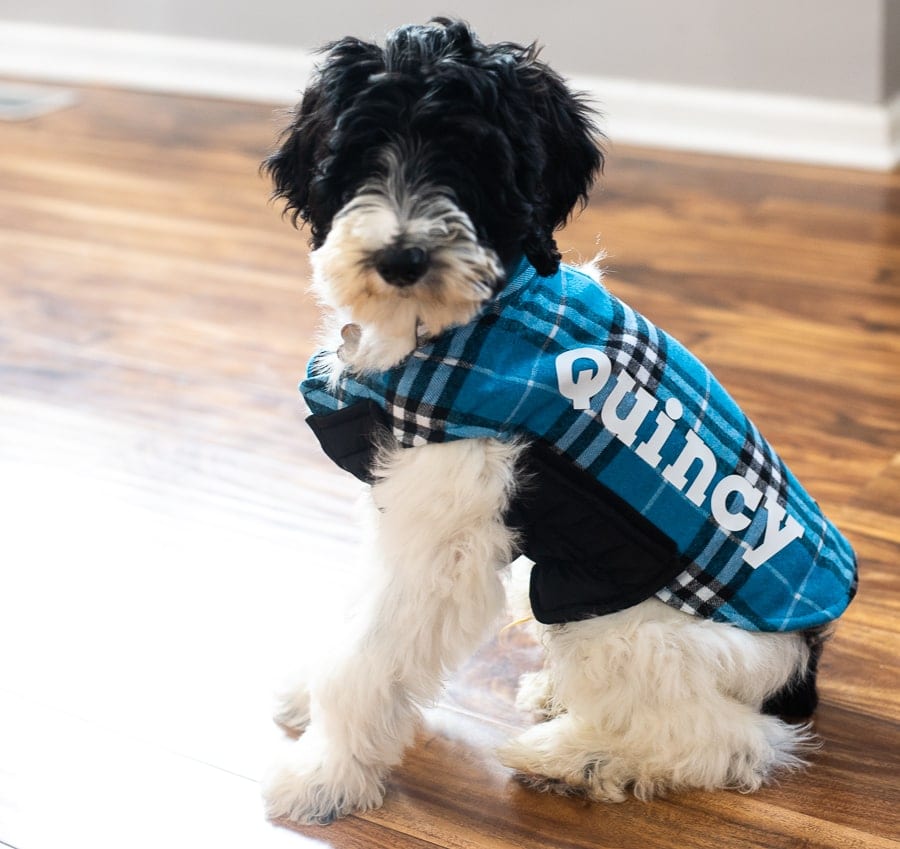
(447, 776)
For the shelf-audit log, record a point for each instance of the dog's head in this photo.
(426, 166)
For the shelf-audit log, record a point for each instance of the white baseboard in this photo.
(740, 123)
(231, 70)
(652, 114)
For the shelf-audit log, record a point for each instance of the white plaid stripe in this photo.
(637, 349)
(761, 466)
(693, 591)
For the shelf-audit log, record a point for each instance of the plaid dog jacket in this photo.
(645, 477)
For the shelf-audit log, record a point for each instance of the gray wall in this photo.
(892, 48)
(837, 49)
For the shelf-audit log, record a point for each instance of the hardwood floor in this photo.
(173, 540)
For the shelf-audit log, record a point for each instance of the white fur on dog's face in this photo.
(461, 274)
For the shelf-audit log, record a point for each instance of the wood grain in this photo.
(173, 540)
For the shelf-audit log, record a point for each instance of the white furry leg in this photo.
(293, 707)
(440, 542)
(568, 754)
(535, 691)
(656, 700)
(535, 694)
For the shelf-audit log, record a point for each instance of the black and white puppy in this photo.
(423, 169)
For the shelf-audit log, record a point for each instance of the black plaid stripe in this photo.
(417, 421)
(635, 348)
(697, 591)
(412, 424)
(762, 468)
(547, 327)
(411, 419)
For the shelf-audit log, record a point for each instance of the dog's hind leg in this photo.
(535, 694)
(439, 545)
(733, 746)
(657, 700)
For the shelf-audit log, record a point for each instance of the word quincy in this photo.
(581, 386)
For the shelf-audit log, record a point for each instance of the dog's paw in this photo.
(292, 708)
(555, 757)
(535, 695)
(316, 786)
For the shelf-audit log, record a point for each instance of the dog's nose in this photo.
(402, 266)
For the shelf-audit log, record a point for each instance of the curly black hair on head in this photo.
(490, 124)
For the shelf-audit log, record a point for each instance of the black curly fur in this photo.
(799, 698)
(488, 123)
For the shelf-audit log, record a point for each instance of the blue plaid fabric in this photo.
(562, 360)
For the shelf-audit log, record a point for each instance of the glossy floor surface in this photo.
(173, 541)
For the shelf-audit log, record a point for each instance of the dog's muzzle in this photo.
(402, 266)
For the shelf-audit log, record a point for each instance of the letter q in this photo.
(581, 387)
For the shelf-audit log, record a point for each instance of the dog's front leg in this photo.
(439, 544)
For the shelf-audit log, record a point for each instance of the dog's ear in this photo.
(572, 154)
(299, 167)
(292, 166)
